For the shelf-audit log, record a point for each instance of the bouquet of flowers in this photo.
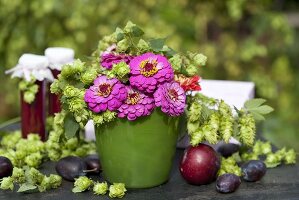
(129, 77)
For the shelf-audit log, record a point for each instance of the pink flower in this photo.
(105, 94)
(171, 98)
(136, 105)
(109, 59)
(148, 71)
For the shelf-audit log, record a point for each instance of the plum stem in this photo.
(91, 170)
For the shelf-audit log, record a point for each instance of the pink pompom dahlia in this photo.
(105, 94)
(171, 98)
(109, 59)
(136, 105)
(148, 71)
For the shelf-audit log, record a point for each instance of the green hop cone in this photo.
(120, 71)
(72, 143)
(272, 160)
(55, 181)
(33, 137)
(194, 112)
(100, 188)
(70, 70)
(76, 105)
(229, 165)
(109, 115)
(192, 70)
(247, 129)
(7, 183)
(249, 156)
(98, 119)
(196, 137)
(143, 46)
(89, 76)
(81, 184)
(117, 190)
(226, 121)
(9, 141)
(45, 184)
(33, 89)
(34, 176)
(54, 88)
(290, 157)
(123, 45)
(211, 128)
(18, 175)
(192, 127)
(23, 85)
(200, 59)
(34, 159)
(71, 91)
(29, 97)
(176, 62)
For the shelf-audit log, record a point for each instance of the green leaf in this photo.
(157, 44)
(70, 126)
(254, 103)
(169, 52)
(76, 190)
(136, 31)
(262, 109)
(237, 110)
(119, 34)
(27, 187)
(257, 116)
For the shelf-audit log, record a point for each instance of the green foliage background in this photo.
(244, 40)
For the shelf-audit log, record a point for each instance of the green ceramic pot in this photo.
(138, 153)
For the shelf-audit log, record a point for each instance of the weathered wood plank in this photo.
(279, 183)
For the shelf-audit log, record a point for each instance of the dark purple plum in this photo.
(227, 183)
(6, 167)
(227, 149)
(253, 170)
(200, 164)
(71, 167)
(93, 164)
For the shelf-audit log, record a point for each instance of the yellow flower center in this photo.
(133, 98)
(148, 67)
(104, 90)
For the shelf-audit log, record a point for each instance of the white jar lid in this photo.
(31, 65)
(59, 56)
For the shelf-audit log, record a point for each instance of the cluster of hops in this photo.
(32, 151)
(272, 159)
(30, 179)
(29, 89)
(20, 152)
(229, 165)
(83, 183)
(58, 146)
(212, 120)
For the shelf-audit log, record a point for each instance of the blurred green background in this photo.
(253, 40)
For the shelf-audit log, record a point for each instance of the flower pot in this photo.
(138, 153)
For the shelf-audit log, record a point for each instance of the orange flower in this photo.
(188, 83)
